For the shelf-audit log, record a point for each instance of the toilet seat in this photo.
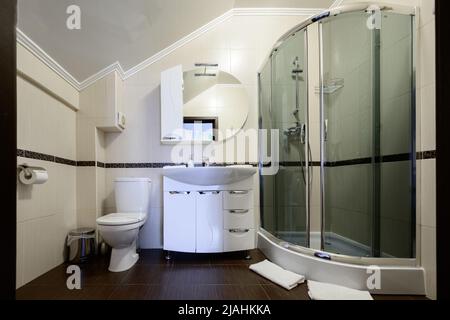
(120, 219)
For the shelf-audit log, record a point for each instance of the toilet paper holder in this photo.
(27, 169)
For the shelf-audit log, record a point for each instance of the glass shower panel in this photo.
(289, 103)
(368, 128)
(348, 123)
(397, 146)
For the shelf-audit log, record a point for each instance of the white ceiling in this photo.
(126, 31)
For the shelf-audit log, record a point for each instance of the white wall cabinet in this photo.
(208, 221)
(172, 104)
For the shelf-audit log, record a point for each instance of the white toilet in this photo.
(120, 230)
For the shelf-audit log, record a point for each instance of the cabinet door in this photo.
(172, 104)
(209, 222)
(179, 221)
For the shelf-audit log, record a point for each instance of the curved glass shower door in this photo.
(367, 127)
(284, 195)
(368, 121)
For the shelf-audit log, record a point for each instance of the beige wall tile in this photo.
(19, 256)
(427, 54)
(428, 118)
(428, 193)
(33, 68)
(151, 235)
(86, 196)
(39, 243)
(428, 248)
(426, 11)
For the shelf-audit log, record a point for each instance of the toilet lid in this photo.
(118, 219)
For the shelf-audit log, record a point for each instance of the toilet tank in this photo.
(132, 194)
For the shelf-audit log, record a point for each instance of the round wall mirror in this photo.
(216, 104)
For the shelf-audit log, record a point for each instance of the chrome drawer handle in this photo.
(239, 211)
(238, 192)
(239, 230)
(179, 192)
(208, 192)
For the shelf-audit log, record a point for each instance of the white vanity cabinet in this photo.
(208, 219)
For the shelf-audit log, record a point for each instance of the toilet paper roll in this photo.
(30, 176)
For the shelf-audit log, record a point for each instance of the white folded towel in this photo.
(327, 291)
(278, 275)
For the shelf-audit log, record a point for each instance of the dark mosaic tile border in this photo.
(66, 161)
(384, 159)
(424, 155)
(44, 157)
(159, 165)
(101, 164)
(85, 163)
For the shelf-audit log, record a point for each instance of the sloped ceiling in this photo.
(126, 31)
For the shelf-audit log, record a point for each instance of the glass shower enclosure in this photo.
(364, 149)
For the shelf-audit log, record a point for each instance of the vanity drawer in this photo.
(238, 239)
(242, 218)
(237, 200)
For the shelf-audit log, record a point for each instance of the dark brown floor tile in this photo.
(234, 292)
(28, 292)
(237, 274)
(238, 258)
(194, 275)
(55, 277)
(148, 274)
(99, 275)
(179, 258)
(96, 292)
(60, 293)
(152, 257)
(130, 292)
(278, 293)
(185, 277)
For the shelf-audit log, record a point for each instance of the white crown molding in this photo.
(276, 11)
(116, 66)
(39, 53)
(180, 43)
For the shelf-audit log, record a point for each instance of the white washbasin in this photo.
(209, 176)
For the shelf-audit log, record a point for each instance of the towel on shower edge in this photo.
(278, 275)
(327, 291)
